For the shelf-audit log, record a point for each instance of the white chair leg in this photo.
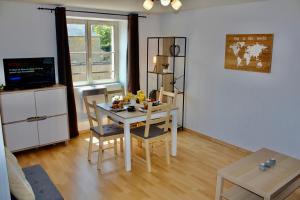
(115, 147)
(100, 155)
(90, 147)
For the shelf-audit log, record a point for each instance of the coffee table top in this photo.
(246, 173)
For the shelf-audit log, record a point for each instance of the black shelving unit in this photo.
(154, 48)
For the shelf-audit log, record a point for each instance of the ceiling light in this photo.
(165, 2)
(148, 4)
(176, 4)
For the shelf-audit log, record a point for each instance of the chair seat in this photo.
(108, 130)
(154, 131)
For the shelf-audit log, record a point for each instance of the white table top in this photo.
(125, 114)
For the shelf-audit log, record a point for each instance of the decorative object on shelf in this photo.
(153, 94)
(249, 52)
(174, 50)
(169, 68)
(160, 63)
(176, 4)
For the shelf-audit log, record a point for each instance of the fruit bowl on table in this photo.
(117, 106)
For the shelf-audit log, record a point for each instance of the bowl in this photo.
(131, 108)
(270, 162)
(262, 167)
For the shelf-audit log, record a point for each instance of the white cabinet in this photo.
(17, 106)
(53, 129)
(21, 135)
(49, 102)
(33, 118)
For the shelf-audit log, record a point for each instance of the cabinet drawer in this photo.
(53, 129)
(17, 106)
(51, 102)
(21, 135)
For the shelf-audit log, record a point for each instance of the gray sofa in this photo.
(41, 184)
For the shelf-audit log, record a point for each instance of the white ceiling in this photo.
(136, 5)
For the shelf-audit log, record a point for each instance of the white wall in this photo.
(250, 110)
(25, 32)
(149, 27)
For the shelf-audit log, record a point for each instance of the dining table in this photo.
(127, 118)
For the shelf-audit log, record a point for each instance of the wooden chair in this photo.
(167, 97)
(150, 133)
(102, 132)
(120, 91)
(114, 92)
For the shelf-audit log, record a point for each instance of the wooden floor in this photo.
(191, 175)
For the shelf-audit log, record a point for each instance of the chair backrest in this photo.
(120, 91)
(166, 108)
(167, 97)
(95, 92)
(91, 107)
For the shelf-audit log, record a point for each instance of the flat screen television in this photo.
(29, 72)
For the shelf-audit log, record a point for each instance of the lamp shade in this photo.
(154, 59)
(148, 4)
(165, 2)
(176, 4)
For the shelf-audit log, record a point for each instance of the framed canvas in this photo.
(249, 52)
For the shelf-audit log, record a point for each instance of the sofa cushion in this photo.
(41, 184)
(19, 186)
(14, 161)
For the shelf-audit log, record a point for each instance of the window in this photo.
(93, 46)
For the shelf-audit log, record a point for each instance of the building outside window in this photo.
(93, 50)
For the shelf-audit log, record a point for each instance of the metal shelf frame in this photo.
(174, 68)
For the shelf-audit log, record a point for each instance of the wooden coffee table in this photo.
(252, 184)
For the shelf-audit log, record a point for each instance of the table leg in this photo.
(127, 147)
(219, 188)
(289, 190)
(174, 134)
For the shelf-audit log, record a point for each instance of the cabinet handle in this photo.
(42, 118)
(39, 118)
(31, 119)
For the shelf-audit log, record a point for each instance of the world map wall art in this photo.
(249, 52)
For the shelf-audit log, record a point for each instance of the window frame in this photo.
(88, 42)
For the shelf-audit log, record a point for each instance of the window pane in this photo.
(102, 38)
(102, 52)
(102, 66)
(78, 51)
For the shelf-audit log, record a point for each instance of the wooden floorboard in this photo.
(191, 175)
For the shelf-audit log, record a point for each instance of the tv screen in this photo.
(29, 72)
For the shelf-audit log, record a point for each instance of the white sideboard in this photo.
(35, 117)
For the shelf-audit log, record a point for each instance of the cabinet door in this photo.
(53, 129)
(17, 106)
(21, 135)
(51, 102)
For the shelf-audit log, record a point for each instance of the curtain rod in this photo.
(91, 12)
